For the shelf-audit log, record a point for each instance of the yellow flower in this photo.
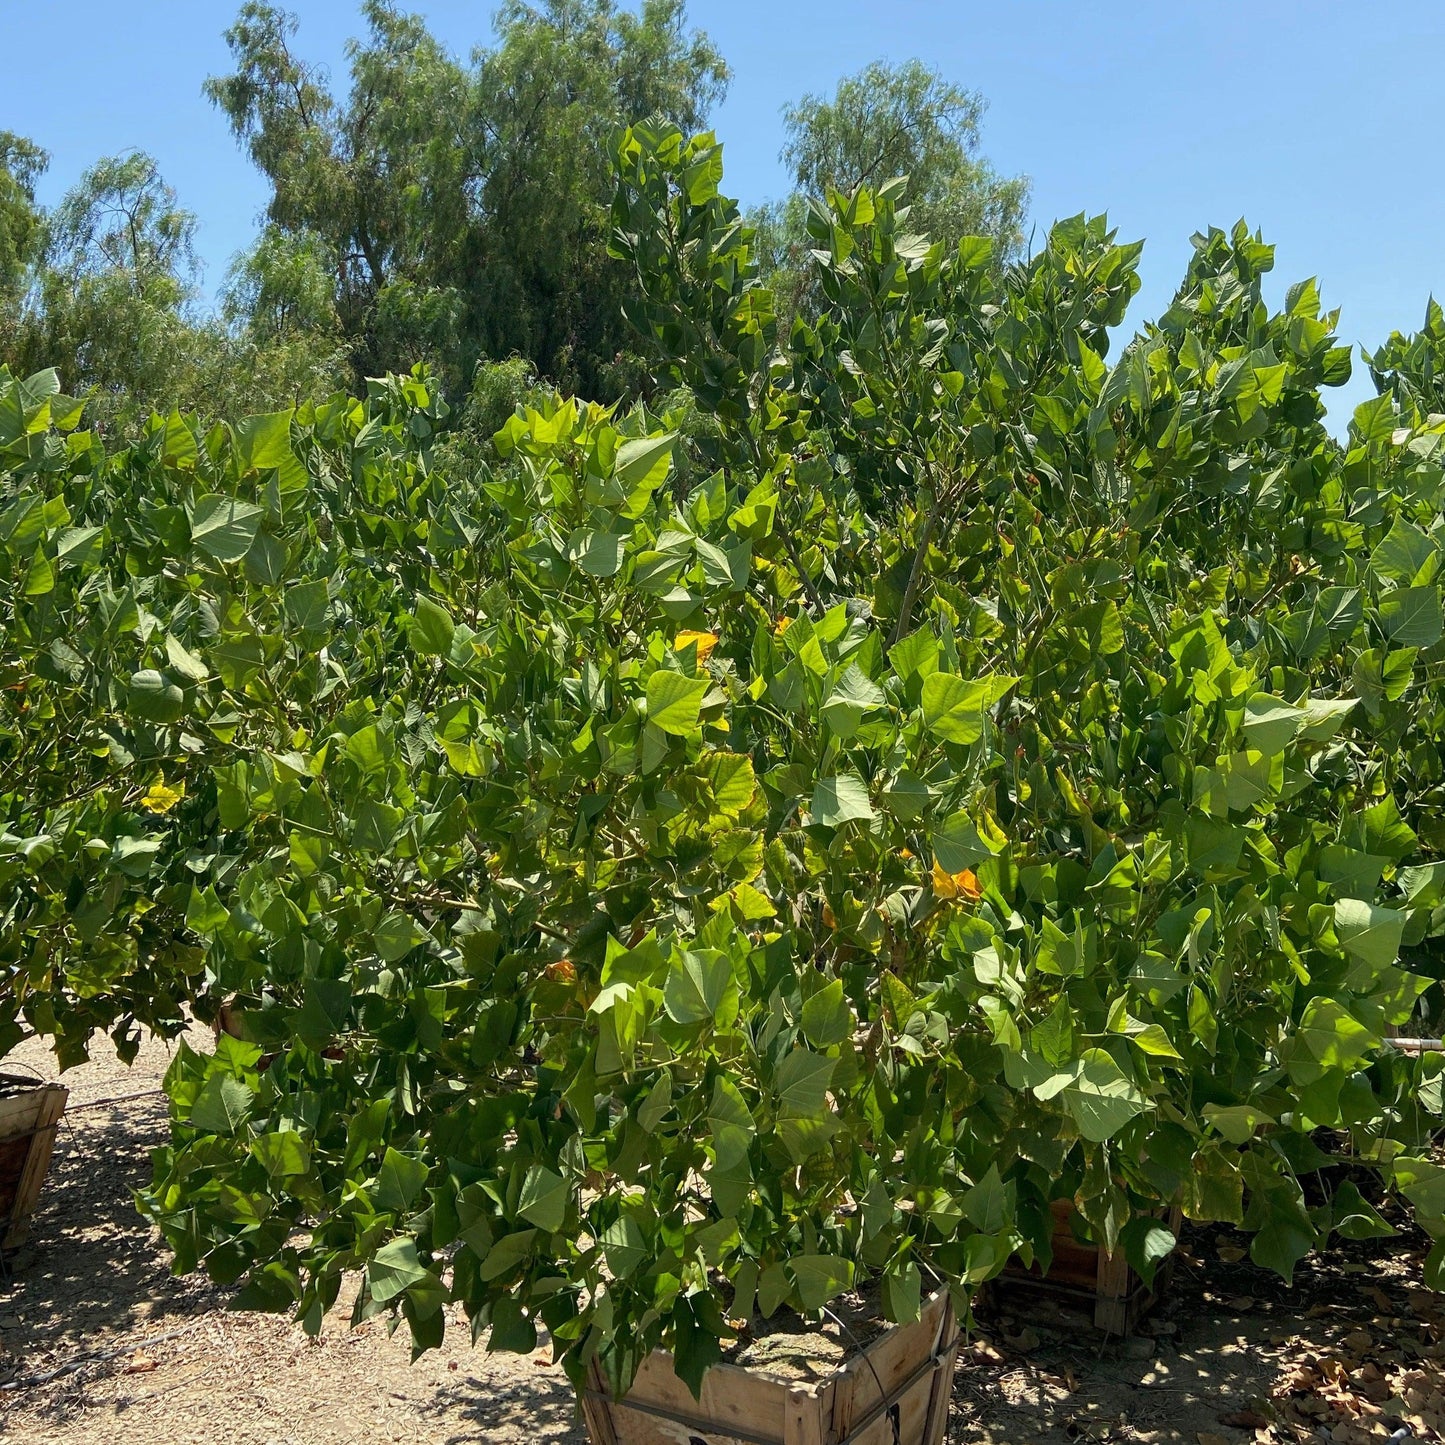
(706, 641)
(162, 797)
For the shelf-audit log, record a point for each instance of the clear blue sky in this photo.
(1317, 120)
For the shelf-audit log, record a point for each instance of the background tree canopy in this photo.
(457, 210)
(21, 165)
(430, 208)
(890, 120)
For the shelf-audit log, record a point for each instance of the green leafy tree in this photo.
(278, 338)
(283, 287)
(371, 192)
(549, 99)
(1412, 368)
(460, 213)
(22, 163)
(886, 121)
(111, 288)
(115, 287)
(123, 222)
(1008, 773)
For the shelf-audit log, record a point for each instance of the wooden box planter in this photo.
(1089, 1278)
(893, 1392)
(29, 1116)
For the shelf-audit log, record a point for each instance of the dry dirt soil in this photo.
(99, 1342)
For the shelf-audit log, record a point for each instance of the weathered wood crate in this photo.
(1089, 1278)
(893, 1392)
(29, 1116)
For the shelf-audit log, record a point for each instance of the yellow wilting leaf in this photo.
(706, 641)
(828, 920)
(563, 971)
(950, 886)
(162, 797)
(781, 626)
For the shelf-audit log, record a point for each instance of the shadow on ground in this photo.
(1350, 1352)
(539, 1403)
(92, 1267)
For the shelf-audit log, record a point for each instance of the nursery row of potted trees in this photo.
(693, 863)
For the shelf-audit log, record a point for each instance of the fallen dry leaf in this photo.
(1377, 1392)
(1231, 1253)
(1245, 1420)
(1350, 1435)
(139, 1363)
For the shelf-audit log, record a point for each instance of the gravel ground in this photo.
(99, 1342)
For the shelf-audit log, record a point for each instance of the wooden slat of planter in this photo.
(913, 1363)
(595, 1414)
(1122, 1296)
(888, 1364)
(1115, 1294)
(919, 1382)
(732, 1399)
(1074, 1262)
(936, 1427)
(30, 1119)
(803, 1419)
(845, 1405)
(1083, 1274)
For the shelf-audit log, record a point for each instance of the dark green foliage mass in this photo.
(671, 862)
(911, 753)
